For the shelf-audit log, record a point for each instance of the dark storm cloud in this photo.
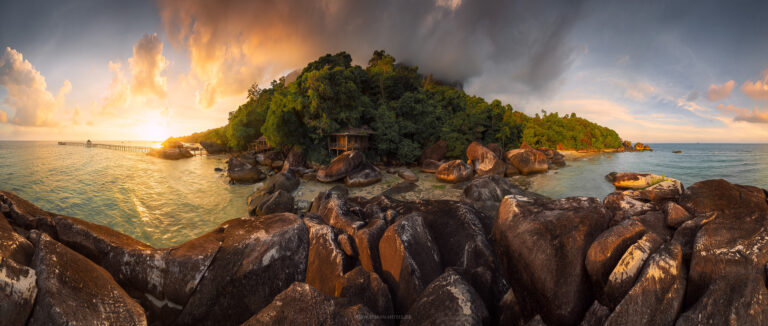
(522, 44)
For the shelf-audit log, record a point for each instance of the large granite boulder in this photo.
(363, 287)
(454, 172)
(258, 258)
(675, 215)
(409, 260)
(327, 263)
(285, 180)
(527, 160)
(367, 244)
(295, 160)
(628, 268)
(430, 166)
(241, 172)
(170, 153)
(301, 304)
(657, 296)
(623, 207)
(336, 212)
(434, 152)
(365, 174)
(12, 245)
(484, 160)
(541, 246)
(448, 300)
(609, 247)
(340, 167)
(72, 290)
(734, 300)
(261, 203)
(213, 147)
(407, 175)
(485, 193)
(18, 289)
(632, 180)
(733, 240)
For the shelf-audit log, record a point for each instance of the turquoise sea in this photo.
(165, 203)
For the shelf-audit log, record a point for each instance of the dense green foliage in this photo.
(405, 110)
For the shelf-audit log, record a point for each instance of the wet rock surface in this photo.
(499, 256)
(454, 172)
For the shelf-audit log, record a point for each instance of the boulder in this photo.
(510, 170)
(454, 172)
(336, 212)
(409, 260)
(485, 162)
(623, 207)
(363, 287)
(327, 262)
(241, 172)
(258, 258)
(734, 300)
(430, 166)
(261, 203)
(13, 246)
(632, 180)
(17, 292)
(628, 268)
(301, 304)
(407, 175)
(400, 188)
(733, 240)
(670, 189)
(675, 214)
(347, 244)
(285, 180)
(72, 290)
(448, 300)
(266, 158)
(527, 160)
(295, 160)
(485, 193)
(596, 315)
(657, 296)
(496, 149)
(340, 167)
(541, 246)
(213, 147)
(608, 248)
(434, 152)
(367, 243)
(170, 153)
(366, 174)
(510, 312)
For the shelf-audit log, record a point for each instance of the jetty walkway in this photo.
(126, 148)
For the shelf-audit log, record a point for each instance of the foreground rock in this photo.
(484, 160)
(454, 172)
(541, 245)
(18, 289)
(362, 287)
(301, 304)
(261, 203)
(241, 172)
(485, 193)
(632, 180)
(340, 167)
(73, 290)
(327, 262)
(170, 153)
(448, 300)
(365, 175)
(527, 160)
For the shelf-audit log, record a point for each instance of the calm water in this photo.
(738, 163)
(165, 203)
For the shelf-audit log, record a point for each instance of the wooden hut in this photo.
(261, 145)
(349, 139)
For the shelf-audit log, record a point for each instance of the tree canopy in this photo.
(406, 111)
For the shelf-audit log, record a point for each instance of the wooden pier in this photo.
(126, 148)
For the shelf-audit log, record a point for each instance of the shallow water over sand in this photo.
(165, 203)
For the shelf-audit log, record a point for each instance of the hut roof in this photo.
(364, 131)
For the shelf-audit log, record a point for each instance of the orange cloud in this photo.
(719, 92)
(743, 114)
(28, 92)
(147, 65)
(3, 117)
(757, 90)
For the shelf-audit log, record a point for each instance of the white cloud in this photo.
(28, 92)
(719, 92)
(744, 114)
(147, 66)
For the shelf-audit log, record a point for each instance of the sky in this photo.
(654, 71)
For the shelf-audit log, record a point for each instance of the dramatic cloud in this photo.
(514, 46)
(743, 114)
(757, 90)
(146, 80)
(719, 92)
(147, 64)
(28, 92)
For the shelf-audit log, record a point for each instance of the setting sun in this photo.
(155, 127)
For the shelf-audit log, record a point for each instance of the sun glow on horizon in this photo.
(154, 127)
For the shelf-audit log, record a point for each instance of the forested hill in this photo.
(406, 110)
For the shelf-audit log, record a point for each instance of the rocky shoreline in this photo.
(651, 253)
